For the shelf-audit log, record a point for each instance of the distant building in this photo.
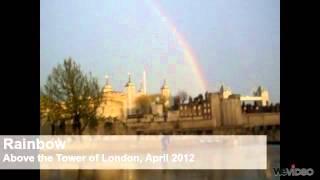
(113, 103)
(203, 114)
(260, 96)
(121, 105)
(198, 108)
(225, 92)
(165, 93)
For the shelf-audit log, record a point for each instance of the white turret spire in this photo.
(107, 87)
(129, 74)
(129, 83)
(144, 82)
(107, 79)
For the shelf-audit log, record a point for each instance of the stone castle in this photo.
(121, 105)
(212, 113)
(203, 114)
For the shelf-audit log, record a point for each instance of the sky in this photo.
(233, 42)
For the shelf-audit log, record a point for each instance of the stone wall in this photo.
(227, 114)
(231, 111)
(173, 115)
(216, 110)
(258, 119)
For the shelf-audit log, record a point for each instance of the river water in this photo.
(273, 157)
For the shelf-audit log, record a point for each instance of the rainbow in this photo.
(188, 53)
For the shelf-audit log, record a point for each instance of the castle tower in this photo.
(130, 91)
(225, 92)
(165, 92)
(264, 94)
(107, 88)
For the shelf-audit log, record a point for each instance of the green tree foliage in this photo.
(176, 103)
(70, 94)
(144, 104)
(183, 96)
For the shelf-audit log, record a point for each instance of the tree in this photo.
(50, 112)
(176, 103)
(73, 95)
(144, 104)
(183, 96)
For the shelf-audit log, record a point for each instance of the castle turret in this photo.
(165, 91)
(264, 94)
(130, 90)
(107, 88)
(225, 92)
